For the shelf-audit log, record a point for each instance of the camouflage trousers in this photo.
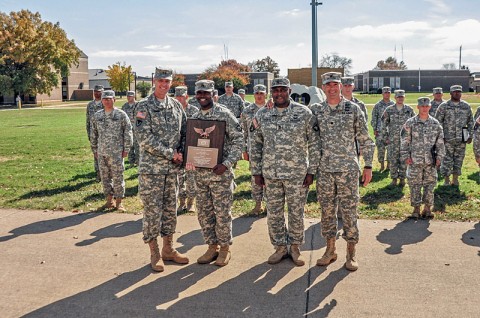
(277, 191)
(257, 191)
(111, 173)
(421, 176)
(159, 197)
(95, 167)
(381, 149)
(339, 191)
(454, 155)
(134, 153)
(186, 184)
(214, 205)
(398, 168)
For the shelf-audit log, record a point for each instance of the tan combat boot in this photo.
(108, 204)
(455, 180)
(351, 264)
(394, 182)
(258, 208)
(190, 206)
(447, 180)
(210, 255)
(280, 253)
(296, 256)
(427, 213)
(382, 166)
(171, 254)
(330, 256)
(156, 261)
(119, 206)
(223, 256)
(416, 213)
(181, 205)
(402, 182)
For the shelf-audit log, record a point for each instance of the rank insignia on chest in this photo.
(141, 115)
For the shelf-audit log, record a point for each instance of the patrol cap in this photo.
(423, 101)
(204, 85)
(280, 82)
(331, 77)
(456, 88)
(386, 89)
(348, 80)
(130, 93)
(227, 84)
(98, 88)
(161, 73)
(181, 91)
(437, 90)
(399, 93)
(259, 88)
(215, 92)
(108, 94)
(241, 91)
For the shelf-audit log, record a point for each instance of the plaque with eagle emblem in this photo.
(204, 143)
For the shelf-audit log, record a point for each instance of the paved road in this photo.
(63, 264)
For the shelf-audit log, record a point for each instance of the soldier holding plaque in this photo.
(213, 170)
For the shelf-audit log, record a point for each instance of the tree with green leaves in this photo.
(266, 64)
(390, 64)
(34, 54)
(144, 88)
(333, 60)
(226, 71)
(119, 76)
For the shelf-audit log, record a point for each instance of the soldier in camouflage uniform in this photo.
(420, 135)
(393, 119)
(437, 100)
(129, 109)
(160, 128)
(340, 123)
(241, 93)
(283, 158)
(376, 123)
(186, 179)
(111, 139)
(231, 100)
(456, 118)
(476, 137)
(348, 86)
(215, 186)
(260, 94)
(93, 107)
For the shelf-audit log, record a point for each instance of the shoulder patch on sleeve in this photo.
(141, 115)
(239, 127)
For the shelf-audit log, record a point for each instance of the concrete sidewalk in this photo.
(62, 264)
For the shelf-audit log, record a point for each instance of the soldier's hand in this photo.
(124, 154)
(308, 180)
(259, 180)
(409, 161)
(438, 163)
(95, 155)
(366, 176)
(270, 103)
(469, 140)
(245, 156)
(219, 169)
(177, 157)
(376, 133)
(189, 166)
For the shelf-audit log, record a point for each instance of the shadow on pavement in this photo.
(472, 237)
(404, 233)
(115, 230)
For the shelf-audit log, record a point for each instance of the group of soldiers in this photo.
(287, 145)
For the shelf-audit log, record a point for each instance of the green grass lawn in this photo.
(46, 163)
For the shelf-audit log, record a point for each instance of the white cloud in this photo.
(438, 6)
(301, 44)
(291, 13)
(207, 47)
(386, 31)
(158, 47)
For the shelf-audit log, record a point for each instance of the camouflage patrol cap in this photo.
(181, 91)
(437, 90)
(456, 88)
(130, 93)
(228, 84)
(161, 73)
(215, 92)
(348, 80)
(280, 82)
(98, 88)
(204, 85)
(108, 94)
(399, 93)
(423, 101)
(241, 91)
(259, 88)
(331, 77)
(386, 89)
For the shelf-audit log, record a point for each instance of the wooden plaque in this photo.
(204, 144)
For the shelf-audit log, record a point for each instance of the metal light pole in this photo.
(314, 5)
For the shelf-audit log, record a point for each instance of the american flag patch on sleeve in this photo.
(141, 115)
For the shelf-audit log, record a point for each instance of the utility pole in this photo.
(314, 5)
(460, 59)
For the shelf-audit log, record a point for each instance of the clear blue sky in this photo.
(190, 35)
